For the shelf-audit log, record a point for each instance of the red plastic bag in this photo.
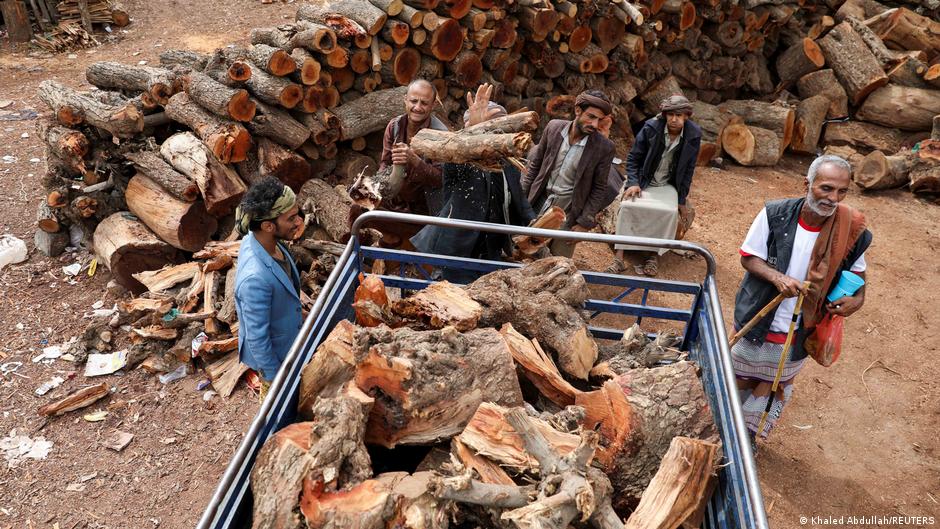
(825, 344)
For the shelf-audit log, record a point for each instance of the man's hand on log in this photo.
(631, 193)
(479, 105)
(402, 154)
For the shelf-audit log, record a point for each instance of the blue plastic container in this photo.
(848, 285)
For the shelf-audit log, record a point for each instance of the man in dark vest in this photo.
(659, 175)
(809, 239)
(570, 166)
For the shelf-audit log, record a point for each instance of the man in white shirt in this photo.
(810, 239)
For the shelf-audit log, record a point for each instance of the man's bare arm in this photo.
(759, 267)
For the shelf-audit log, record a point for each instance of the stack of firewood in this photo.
(61, 25)
(470, 422)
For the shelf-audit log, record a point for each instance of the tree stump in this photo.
(127, 247)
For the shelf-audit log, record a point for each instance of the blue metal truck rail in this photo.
(736, 502)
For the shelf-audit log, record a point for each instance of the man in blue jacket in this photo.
(267, 283)
(659, 175)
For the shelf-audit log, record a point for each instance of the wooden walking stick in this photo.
(757, 317)
(783, 357)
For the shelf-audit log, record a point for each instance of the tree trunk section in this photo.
(777, 118)
(286, 165)
(901, 107)
(273, 90)
(158, 82)
(855, 66)
(220, 186)
(370, 113)
(361, 11)
(275, 123)
(799, 60)
(877, 171)
(539, 368)
(810, 117)
(751, 146)
(824, 83)
(67, 145)
(446, 41)
(454, 147)
(274, 61)
(441, 304)
(906, 30)
(308, 68)
(16, 20)
(127, 247)
(156, 169)
(228, 140)
(403, 68)
(656, 93)
(712, 120)
(220, 99)
(327, 206)
(350, 165)
(421, 400)
(866, 137)
(73, 108)
(184, 225)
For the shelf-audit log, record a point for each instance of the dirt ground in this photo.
(859, 439)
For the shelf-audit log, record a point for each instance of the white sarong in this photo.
(655, 213)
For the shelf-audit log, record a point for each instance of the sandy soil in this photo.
(860, 438)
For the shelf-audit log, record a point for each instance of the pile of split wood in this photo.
(446, 407)
(60, 25)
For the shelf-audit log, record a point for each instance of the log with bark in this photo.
(156, 169)
(68, 146)
(878, 171)
(824, 83)
(751, 146)
(126, 246)
(798, 60)
(228, 140)
(274, 90)
(554, 292)
(712, 120)
(327, 206)
(160, 83)
(219, 99)
(220, 186)
(370, 113)
(866, 137)
(287, 166)
(901, 107)
(275, 123)
(361, 12)
(484, 149)
(857, 69)
(810, 117)
(903, 29)
(76, 400)
(184, 225)
(774, 117)
(73, 108)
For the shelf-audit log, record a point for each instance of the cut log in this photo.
(656, 93)
(160, 83)
(799, 60)
(901, 107)
(309, 460)
(446, 40)
(220, 186)
(845, 152)
(680, 487)
(227, 312)
(925, 180)
(370, 297)
(16, 20)
(274, 90)
(874, 43)
(286, 165)
(455, 147)
(184, 225)
(554, 291)
(308, 68)
(466, 69)
(396, 32)
(539, 368)
(855, 66)
(219, 99)
(712, 120)
(126, 246)
(51, 244)
(403, 68)
(366, 505)
(432, 396)
(865, 137)
(327, 206)
(274, 61)
(227, 140)
(550, 220)
(810, 117)
(908, 72)
(275, 123)
(187, 59)
(361, 11)
(225, 373)
(333, 365)
(904, 29)
(73, 108)
(47, 219)
(68, 145)
(751, 146)
(350, 164)
(486, 470)
(76, 400)
(877, 171)
(824, 83)
(370, 113)
(440, 305)
(156, 169)
(770, 116)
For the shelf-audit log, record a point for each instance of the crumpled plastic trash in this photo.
(72, 270)
(105, 364)
(12, 250)
(49, 385)
(174, 375)
(17, 448)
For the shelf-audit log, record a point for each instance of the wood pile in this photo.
(62, 25)
(447, 408)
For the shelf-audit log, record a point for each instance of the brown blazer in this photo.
(590, 185)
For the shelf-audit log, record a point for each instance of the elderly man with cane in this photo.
(659, 176)
(798, 255)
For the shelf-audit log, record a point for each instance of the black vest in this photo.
(754, 293)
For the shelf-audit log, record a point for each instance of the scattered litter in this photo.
(20, 326)
(97, 416)
(88, 477)
(203, 384)
(54, 351)
(93, 267)
(98, 304)
(802, 426)
(34, 160)
(207, 396)
(118, 440)
(10, 368)
(24, 135)
(49, 385)
(9, 159)
(174, 375)
(4, 103)
(75, 487)
(18, 115)
(168, 440)
(141, 63)
(68, 357)
(17, 448)
(200, 339)
(12, 250)
(105, 364)
(72, 56)
(72, 270)
(171, 314)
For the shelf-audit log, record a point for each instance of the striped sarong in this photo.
(759, 362)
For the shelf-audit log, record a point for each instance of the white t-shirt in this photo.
(755, 243)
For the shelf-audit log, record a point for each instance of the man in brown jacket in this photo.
(570, 166)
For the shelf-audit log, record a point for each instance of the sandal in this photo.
(616, 267)
(651, 266)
